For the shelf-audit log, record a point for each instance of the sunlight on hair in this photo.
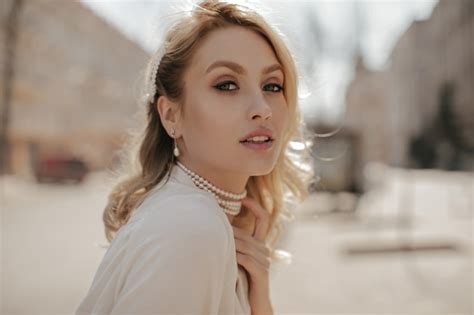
(283, 256)
(296, 145)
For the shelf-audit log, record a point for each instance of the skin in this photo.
(216, 115)
(254, 256)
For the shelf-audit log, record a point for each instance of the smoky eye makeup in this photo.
(226, 82)
(227, 85)
(275, 80)
(231, 86)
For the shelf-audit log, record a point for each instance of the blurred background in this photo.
(387, 91)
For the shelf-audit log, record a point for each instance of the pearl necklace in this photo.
(230, 207)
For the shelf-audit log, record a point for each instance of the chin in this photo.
(262, 170)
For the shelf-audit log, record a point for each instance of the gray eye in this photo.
(278, 87)
(222, 86)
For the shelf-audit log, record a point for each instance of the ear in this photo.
(169, 113)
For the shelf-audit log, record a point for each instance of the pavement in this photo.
(405, 247)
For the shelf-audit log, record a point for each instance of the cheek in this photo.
(207, 118)
(205, 114)
(281, 113)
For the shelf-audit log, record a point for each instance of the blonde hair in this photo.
(148, 155)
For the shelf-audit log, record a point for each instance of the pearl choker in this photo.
(230, 207)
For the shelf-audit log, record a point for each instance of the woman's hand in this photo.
(254, 255)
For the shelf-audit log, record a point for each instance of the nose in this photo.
(260, 108)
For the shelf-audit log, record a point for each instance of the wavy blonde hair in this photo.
(147, 157)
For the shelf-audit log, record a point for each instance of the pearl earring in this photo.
(176, 150)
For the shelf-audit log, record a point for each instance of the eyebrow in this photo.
(239, 69)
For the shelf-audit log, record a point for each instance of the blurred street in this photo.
(344, 262)
(385, 93)
(347, 262)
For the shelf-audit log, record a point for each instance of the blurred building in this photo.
(74, 82)
(419, 111)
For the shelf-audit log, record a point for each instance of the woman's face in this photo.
(224, 104)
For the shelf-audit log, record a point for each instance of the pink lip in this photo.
(258, 146)
(258, 132)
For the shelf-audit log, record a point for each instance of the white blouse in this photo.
(176, 255)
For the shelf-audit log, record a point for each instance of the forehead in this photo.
(237, 44)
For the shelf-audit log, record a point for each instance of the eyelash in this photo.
(281, 88)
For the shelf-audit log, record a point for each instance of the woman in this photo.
(192, 224)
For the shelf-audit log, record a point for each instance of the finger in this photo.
(261, 254)
(262, 217)
(238, 232)
(261, 246)
(245, 236)
(255, 269)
